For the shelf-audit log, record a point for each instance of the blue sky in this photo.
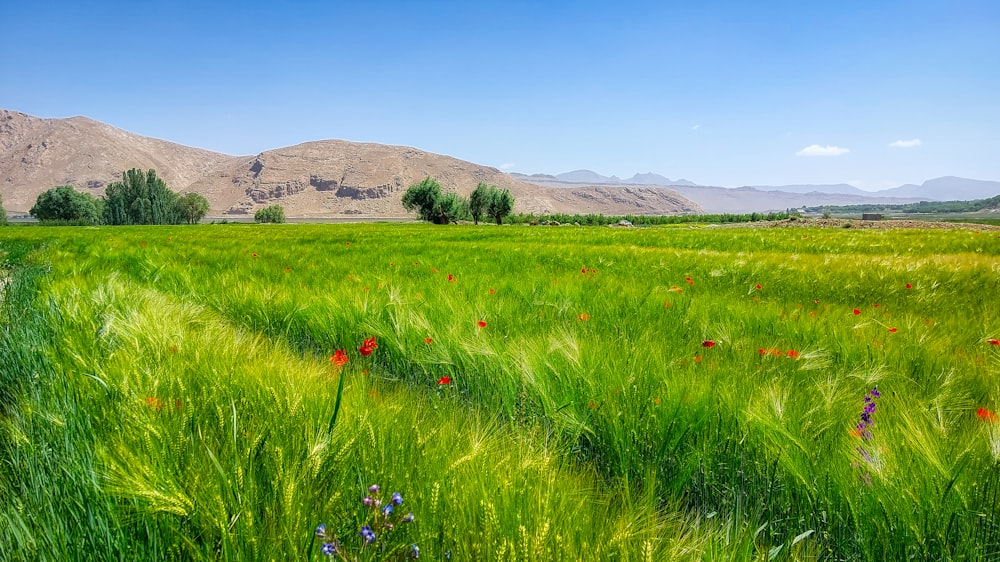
(874, 93)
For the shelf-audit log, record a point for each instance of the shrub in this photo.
(3, 213)
(271, 213)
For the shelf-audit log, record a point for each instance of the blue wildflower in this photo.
(387, 510)
(367, 534)
(408, 518)
(397, 498)
(414, 551)
(328, 549)
(321, 531)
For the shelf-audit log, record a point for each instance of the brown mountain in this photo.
(39, 154)
(316, 179)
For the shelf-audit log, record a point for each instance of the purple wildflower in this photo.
(397, 498)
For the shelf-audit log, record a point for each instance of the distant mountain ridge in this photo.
(945, 188)
(591, 177)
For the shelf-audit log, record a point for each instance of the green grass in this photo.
(167, 392)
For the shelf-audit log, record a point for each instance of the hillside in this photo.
(330, 178)
(38, 154)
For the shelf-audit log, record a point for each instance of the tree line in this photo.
(914, 208)
(432, 205)
(139, 198)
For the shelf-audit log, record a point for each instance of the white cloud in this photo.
(696, 127)
(817, 150)
(905, 143)
(506, 166)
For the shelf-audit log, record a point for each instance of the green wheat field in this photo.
(532, 393)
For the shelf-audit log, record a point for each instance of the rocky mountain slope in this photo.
(38, 154)
(316, 179)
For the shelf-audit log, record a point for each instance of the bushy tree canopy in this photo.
(432, 205)
(478, 201)
(140, 198)
(271, 213)
(192, 207)
(499, 203)
(65, 204)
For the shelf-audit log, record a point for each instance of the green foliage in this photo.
(499, 204)
(649, 220)
(66, 205)
(3, 212)
(478, 200)
(921, 207)
(192, 207)
(140, 198)
(270, 214)
(432, 205)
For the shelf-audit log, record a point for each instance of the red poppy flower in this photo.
(339, 358)
(697, 358)
(444, 380)
(347, 243)
(583, 271)
(876, 305)
(451, 278)
(288, 268)
(708, 343)
(856, 312)
(892, 330)
(993, 341)
(434, 270)
(583, 317)
(793, 354)
(688, 279)
(762, 351)
(481, 324)
(759, 287)
(908, 286)
(986, 415)
(368, 346)
(428, 341)
(676, 289)
(253, 255)
(493, 291)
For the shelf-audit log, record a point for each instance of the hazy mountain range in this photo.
(762, 198)
(947, 188)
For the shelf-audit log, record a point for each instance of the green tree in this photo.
(140, 198)
(500, 204)
(65, 204)
(478, 200)
(3, 213)
(271, 213)
(432, 205)
(192, 207)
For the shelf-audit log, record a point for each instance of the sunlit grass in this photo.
(185, 388)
